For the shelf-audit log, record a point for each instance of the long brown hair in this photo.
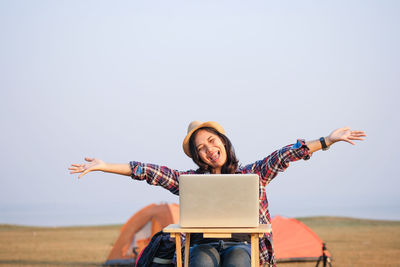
(231, 163)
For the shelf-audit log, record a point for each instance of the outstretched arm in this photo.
(342, 134)
(151, 173)
(279, 160)
(94, 164)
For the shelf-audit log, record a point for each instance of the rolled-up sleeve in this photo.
(157, 175)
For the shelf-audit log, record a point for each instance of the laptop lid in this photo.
(219, 200)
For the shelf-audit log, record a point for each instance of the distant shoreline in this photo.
(301, 218)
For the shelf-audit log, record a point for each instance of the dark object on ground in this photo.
(158, 253)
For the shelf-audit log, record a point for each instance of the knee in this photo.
(203, 255)
(238, 256)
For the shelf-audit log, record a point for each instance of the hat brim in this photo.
(211, 124)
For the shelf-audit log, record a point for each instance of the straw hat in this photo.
(193, 126)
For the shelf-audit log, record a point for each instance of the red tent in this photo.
(294, 241)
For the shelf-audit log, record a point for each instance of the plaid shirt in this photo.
(266, 169)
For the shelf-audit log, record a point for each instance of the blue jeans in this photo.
(225, 254)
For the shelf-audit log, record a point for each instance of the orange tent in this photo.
(294, 241)
(138, 230)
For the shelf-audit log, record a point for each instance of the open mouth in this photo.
(214, 156)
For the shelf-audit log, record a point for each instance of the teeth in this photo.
(214, 156)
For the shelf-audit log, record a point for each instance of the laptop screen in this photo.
(219, 200)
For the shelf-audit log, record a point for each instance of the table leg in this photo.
(178, 250)
(187, 248)
(254, 248)
(257, 249)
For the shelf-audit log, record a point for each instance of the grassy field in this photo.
(352, 242)
(355, 242)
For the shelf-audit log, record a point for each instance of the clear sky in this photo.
(121, 80)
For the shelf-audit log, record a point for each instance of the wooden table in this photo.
(175, 230)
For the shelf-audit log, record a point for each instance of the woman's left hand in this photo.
(345, 134)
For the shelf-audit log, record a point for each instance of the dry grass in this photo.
(352, 242)
(66, 246)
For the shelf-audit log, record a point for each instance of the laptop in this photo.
(219, 200)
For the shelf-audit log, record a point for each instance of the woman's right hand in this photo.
(92, 164)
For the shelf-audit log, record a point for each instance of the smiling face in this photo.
(211, 150)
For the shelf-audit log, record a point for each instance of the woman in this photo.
(212, 151)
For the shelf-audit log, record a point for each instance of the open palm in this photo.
(92, 164)
(347, 135)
